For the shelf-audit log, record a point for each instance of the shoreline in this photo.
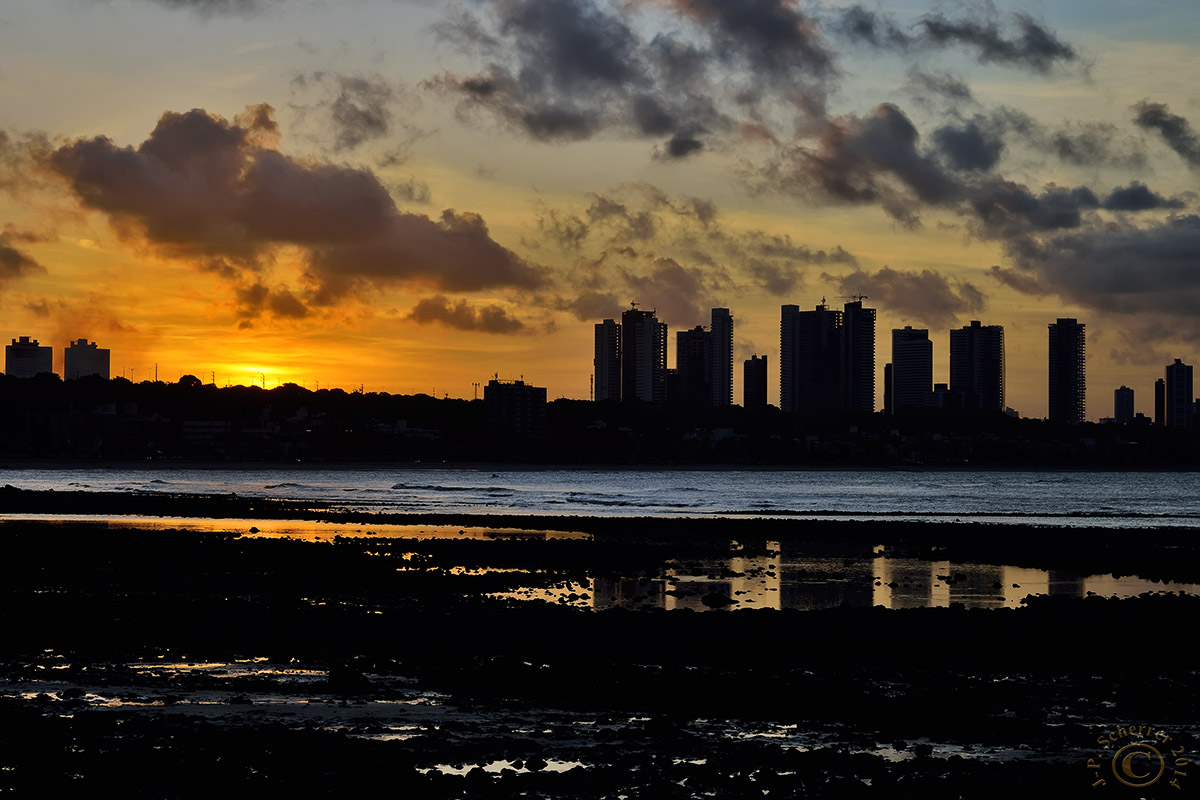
(481, 466)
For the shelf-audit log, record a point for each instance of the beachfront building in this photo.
(1123, 405)
(911, 368)
(25, 358)
(1067, 378)
(515, 407)
(1178, 400)
(643, 357)
(720, 358)
(606, 364)
(754, 383)
(82, 358)
(977, 366)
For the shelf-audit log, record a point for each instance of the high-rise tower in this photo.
(809, 359)
(1178, 400)
(643, 357)
(912, 368)
(607, 361)
(977, 365)
(720, 358)
(1068, 385)
(858, 358)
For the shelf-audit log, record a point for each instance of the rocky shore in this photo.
(178, 663)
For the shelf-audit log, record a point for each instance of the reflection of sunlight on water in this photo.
(496, 767)
(306, 530)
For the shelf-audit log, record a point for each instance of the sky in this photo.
(415, 196)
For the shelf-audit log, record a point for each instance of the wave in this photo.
(284, 485)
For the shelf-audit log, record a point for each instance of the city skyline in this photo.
(414, 197)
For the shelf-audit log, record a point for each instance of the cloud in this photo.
(927, 296)
(1175, 130)
(1123, 269)
(1005, 209)
(868, 159)
(1025, 43)
(14, 262)
(922, 83)
(256, 298)
(1137, 197)
(357, 109)
(974, 146)
(210, 7)
(463, 316)
(211, 191)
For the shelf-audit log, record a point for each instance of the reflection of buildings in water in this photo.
(1021, 582)
(976, 585)
(614, 592)
(812, 580)
(903, 582)
(747, 579)
(1065, 584)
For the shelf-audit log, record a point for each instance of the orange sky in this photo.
(413, 198)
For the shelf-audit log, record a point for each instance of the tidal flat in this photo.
(177, 663)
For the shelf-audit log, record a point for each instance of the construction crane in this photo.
(857, 297)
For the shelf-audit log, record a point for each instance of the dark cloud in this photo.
(1004, 209)
(1015, 279)
(361, 111)
(14, 262)
(255, 299)
(592, 305)
(210, 191)
(39, 308)
(925, 296)
(678, 293)
(1175, 130)
(1025, 43)
(974, 146)
(1121, 269)
(922, 84)
(568, 70)
(869, 159)
(463, 316)
(772, 37)
(412, 190)
(1138, 197)
(1092, 144)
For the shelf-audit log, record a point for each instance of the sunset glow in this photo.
(415, 197)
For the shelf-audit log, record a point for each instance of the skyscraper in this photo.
(1068, 384)
(809, 359)
(720, 358)
(977, 365)
(1123, 405)
(1160, 402)
(1178, 398)
(25, 358)
(858, 358)
(643, 357)
(607, 361)
(85, 358)
(754, 383)
(692, 363)
(912, 368)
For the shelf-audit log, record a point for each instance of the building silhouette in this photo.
(720, 358)
(1179, 402)
(25, 358)
(643, 357)
(515, 407)
(606, 364)
(754, 383)
(858, 358)
(977, 366)
(1123, 405)
(1160, 402)
(692, 367)
(85, 358)
(911, 368)
(809, 359)
(1068, 385)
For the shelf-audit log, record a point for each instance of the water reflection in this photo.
(788, 576)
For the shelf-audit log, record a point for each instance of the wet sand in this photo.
(175, 664)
